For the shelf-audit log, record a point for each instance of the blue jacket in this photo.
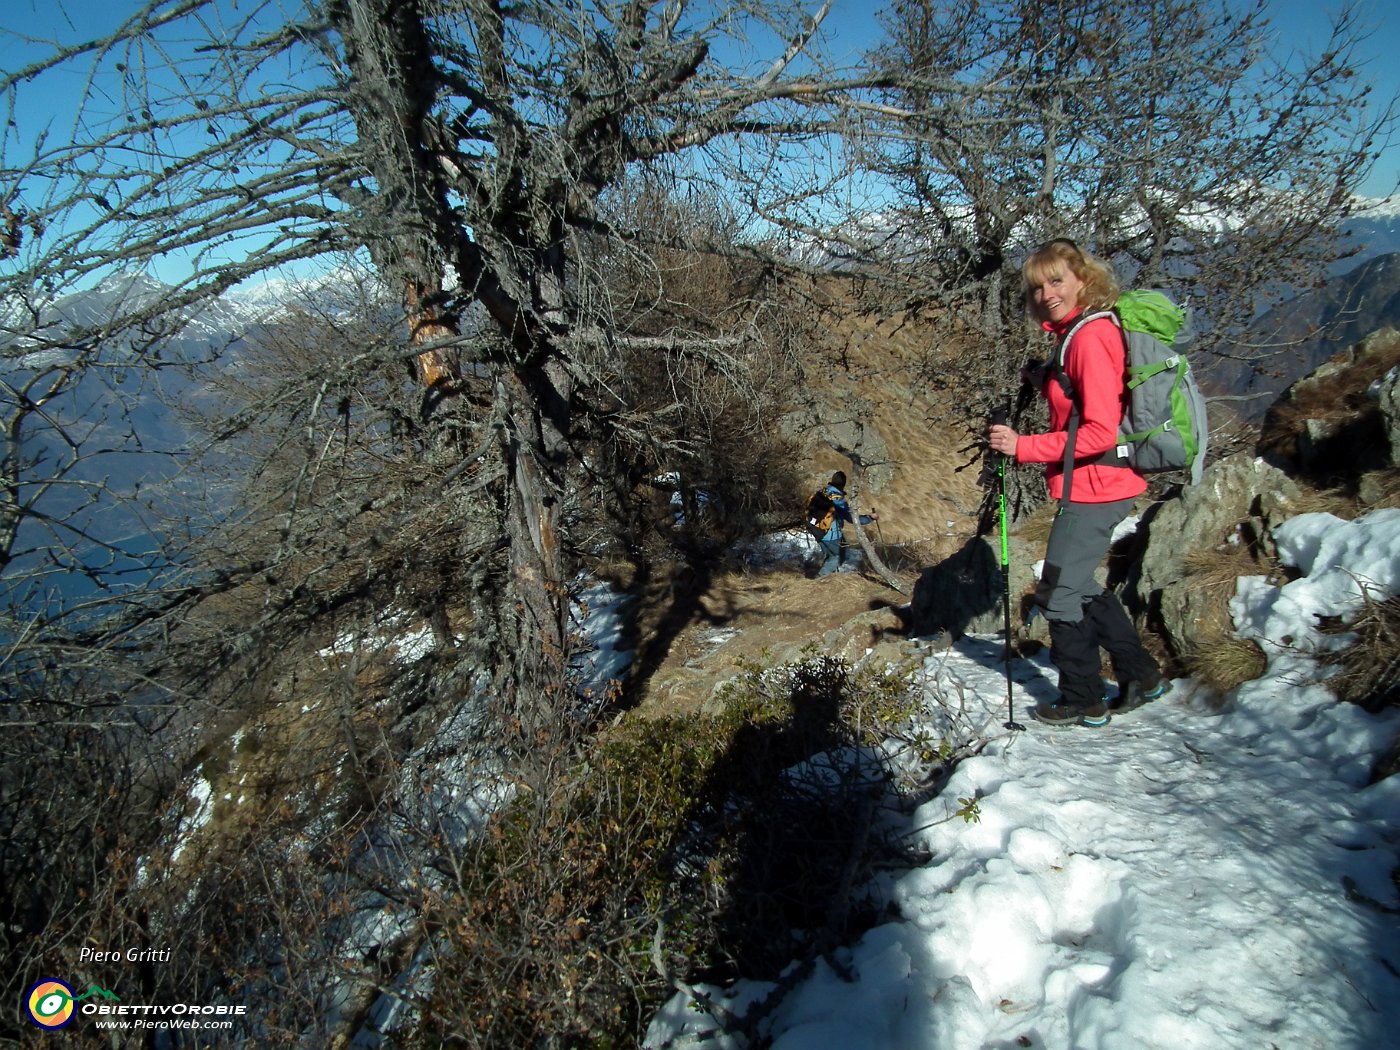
(841, 515)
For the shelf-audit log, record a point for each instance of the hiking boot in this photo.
(1095, 715)
(1061, 712)
(1138, 693)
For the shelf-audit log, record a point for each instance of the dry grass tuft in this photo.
(1035, 527)
(1217, 657)
(1219, 568)
(1335, 501)
(1222, 661)
(1380, 488)
(1369, 670)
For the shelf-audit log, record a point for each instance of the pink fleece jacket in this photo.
(1095, 366)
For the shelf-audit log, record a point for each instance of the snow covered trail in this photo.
(1174, 880)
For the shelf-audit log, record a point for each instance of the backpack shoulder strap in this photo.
(1062, 348)
(1057, 369)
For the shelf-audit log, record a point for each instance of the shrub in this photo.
(674, 849)
(1223, 662)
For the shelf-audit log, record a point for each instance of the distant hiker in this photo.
(1061, 282)
(827, 514)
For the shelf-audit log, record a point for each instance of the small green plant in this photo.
(971, 810)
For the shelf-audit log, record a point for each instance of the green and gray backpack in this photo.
(1164, 423)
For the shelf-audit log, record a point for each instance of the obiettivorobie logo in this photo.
(51, 1002)
(52, 1005)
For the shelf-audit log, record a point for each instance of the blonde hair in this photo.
(1100, 286)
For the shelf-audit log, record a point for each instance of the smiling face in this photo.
(1056, 292)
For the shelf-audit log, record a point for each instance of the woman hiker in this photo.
(1061, 283)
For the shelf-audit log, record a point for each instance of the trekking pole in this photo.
(1001, 416)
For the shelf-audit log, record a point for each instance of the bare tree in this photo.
(426, 446)
(1173, 138)
(465, 148)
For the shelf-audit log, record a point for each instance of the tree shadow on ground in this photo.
(785, 818)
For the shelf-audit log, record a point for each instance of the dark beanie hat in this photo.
(839, 479)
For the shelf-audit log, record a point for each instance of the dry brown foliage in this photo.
(1035, 529)
(679, 849)
(1331, 417)
(1222, 661)
(1369, 670)
(1380, 488)
(1217, 657)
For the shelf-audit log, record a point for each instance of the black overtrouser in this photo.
(1075, 645)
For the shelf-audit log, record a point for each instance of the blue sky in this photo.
(1303, 26)
(1300, 25)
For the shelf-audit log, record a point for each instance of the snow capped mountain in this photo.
(104, 310)
(1379, 208)
(1373, 230)
(214, 322)
(335, 291)
(268, 300)
(117, 430)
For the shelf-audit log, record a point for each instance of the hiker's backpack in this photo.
(1164, 421)
(820, 513)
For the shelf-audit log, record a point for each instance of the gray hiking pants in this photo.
(1083, 616)
(1078, 542)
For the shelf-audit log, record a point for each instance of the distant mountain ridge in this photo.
(1312, 328)
(115, 430)
(1373, 232)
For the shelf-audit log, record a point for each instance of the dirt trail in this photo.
(768, 617)
(690, 642)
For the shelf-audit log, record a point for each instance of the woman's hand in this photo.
(1003, 439)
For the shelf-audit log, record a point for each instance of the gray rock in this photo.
(1239, 500)
(1387, 392)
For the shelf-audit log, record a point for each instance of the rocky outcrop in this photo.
(1387, 393)
(1338, 427)
(1239, 501)
(1326, 427)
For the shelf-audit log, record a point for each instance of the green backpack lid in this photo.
(1143, 310)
